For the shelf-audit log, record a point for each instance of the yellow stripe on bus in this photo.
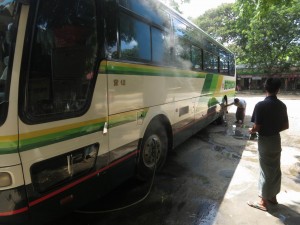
(38, 133)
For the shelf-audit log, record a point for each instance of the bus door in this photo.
(13, 201)
(63, 108)
(126, 119)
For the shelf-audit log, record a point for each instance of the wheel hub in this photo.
(152, 151)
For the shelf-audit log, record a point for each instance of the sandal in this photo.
(257, 205)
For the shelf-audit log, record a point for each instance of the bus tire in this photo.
(153, 152)
(222, 118)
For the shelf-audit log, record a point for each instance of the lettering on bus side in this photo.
(119, 82)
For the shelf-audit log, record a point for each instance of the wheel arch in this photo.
(157, 123)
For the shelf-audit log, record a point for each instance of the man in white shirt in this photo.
(240, 111)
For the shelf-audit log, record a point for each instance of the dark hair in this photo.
(236, 100)
(272, 85)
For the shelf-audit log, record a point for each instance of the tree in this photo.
(261, 6)
(220, 23)
(270, 36)
(260, 36)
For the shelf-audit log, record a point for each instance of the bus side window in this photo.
(183, 53)
(231, 66)
(182, 47)
(111, 25)
(224, 66)
(63, 58)
(210, 62)
(196, 58)
(160, 46)
(134, 39)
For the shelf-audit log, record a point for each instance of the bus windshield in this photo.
(7, 20)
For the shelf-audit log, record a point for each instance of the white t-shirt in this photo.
(241, 104)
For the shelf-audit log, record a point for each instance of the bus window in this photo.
(160, 46)
(7, 31)
(231, 66)
(111, 34)
(179, 28)
(146, 9)
(210, 62)
(183, 51)
(196, 58)
(224, 64)
(182, 47)
(134, 38)
(63, 55)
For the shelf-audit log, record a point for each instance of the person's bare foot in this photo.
(261, 204)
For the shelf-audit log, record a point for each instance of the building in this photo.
(254, 78)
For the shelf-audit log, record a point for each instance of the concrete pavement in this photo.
(243, 185)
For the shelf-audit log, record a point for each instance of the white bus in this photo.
(93, 92)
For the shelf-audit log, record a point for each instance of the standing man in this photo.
(269, 118)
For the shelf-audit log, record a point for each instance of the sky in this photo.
(197, 7)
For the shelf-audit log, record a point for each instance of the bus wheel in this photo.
(153, 151)
(222, 118)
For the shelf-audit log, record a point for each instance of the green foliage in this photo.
(219, 23)
(262, 33)
(270, 33)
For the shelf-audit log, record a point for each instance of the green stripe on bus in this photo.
(9, 147)
(207, 84)
(211, 83)
(128, 117)
(119, 68)
(214, 84)
(120, 121)
(48, 139)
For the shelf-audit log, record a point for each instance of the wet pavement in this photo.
(206, 180)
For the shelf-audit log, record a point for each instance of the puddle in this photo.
(218, 141)
(206, 213)
(239, 131)
(226, 152)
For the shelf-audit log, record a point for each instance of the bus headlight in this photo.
(5, 179)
